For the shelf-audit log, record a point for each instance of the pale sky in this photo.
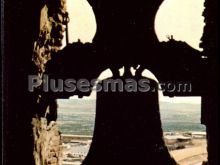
(180, 18)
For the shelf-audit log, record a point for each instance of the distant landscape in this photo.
(76, 119)
(77, 116)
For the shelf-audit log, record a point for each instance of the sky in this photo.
(180, 18)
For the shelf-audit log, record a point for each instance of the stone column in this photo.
(47, 137)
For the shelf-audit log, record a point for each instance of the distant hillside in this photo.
(77, 116)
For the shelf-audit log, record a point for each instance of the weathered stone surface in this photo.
(52, 22)
(47, 139)
(47, 148)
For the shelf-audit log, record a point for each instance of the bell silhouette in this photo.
(128, 127)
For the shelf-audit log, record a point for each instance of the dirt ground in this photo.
(191, 155)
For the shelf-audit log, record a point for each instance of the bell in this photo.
(128, 128)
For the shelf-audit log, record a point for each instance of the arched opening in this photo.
(183, 122)
(184, 136)
(21, 106)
